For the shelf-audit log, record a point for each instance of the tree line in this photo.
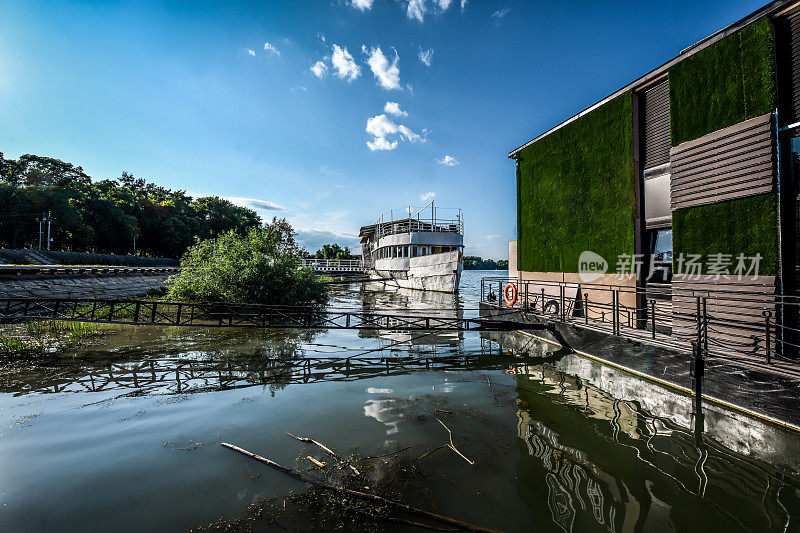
(472, 262)
(104, 216)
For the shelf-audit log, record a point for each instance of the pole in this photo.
(40, 220)
(653, 316)
(48, 230)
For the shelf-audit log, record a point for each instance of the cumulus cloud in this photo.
(500, 13)
(448, 161)
(393, 108)
(255, 203)
(344, 64)
(381, 143)
(416, 9)
(271, 49)
(319, 69)
(427, 196)
(363, 5)
(426, 56)
(251, 52)
(382, 127)
(387, 74)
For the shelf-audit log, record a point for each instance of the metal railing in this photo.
(723, 322)
(413, 225)
(334, 265)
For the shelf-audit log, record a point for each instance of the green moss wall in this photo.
(575, 191)
(745, 226)
(726, 83)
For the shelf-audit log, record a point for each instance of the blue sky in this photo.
(282, 106)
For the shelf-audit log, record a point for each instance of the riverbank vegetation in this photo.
(42, 337)
(105, 216)
(259, 267)
(472, 262)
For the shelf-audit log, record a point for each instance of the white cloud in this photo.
(426, 56)
(363, 5)
(463, 4)
(393, 108)
(255, 203)
(319, 69)
(299, 88)
(344, 64)
(321, 36)
(251, 52)
(492, 237)
(381, 144)
(271, 49)
(381, 127)
(388, 75)
(444, 4)
(500, 13)
(427, 196)
(416, 9)
(448, 161)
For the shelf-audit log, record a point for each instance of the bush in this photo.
(575, 191)
(260, 267)
(724, 84)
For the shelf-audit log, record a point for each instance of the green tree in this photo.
(259, 267)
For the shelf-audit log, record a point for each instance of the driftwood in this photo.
(316, 462)
(453, 446)
(399, 520)
(361, 495)
(387, 454)
(327, 450)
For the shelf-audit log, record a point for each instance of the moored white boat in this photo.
(423, 250)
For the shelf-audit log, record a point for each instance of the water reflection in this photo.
(601, 462)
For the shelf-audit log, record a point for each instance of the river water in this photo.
(124, 435)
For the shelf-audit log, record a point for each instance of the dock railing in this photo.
(333, 265)
(759, 326)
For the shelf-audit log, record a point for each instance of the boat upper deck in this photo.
(429, 219)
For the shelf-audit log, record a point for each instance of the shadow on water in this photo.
(560, 442)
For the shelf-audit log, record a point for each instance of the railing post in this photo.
(55, 308)
(526, 295)
(542, 300)
(136, 312)
(585, 308)
(653, 316)
(705, 327)
(152, 313)
(613, 312)
(561, 303)
(178, 316)
(699, 324)
(767, 315)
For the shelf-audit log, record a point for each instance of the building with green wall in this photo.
(693, 164)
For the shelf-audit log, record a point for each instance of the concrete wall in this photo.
(83, 286)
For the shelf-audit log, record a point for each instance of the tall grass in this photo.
(41, 337)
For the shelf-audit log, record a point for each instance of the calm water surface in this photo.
(126, 436)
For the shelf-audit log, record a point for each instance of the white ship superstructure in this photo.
(416, 250)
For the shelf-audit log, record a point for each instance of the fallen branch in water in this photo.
(327, 450)
(433, 450)
(453, 446)
(386, 455)
(361, 495)
(398, 520)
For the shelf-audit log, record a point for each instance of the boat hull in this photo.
(437, 272)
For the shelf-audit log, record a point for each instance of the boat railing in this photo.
(413, 225)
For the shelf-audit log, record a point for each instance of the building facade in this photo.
(689, 172)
